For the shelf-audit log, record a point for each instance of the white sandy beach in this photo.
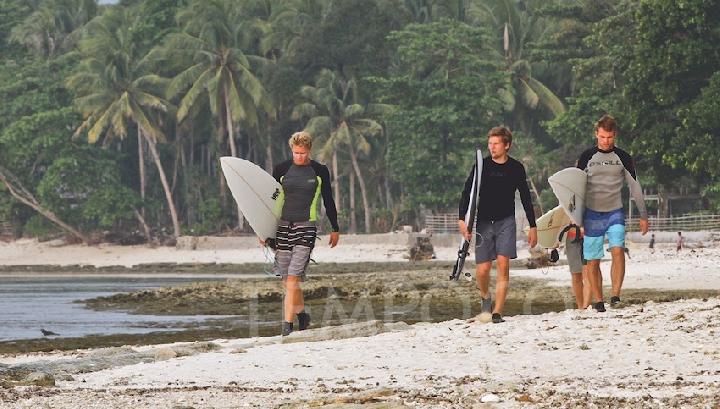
(650, 355)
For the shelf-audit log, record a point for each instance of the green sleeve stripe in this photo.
(314, 204)
(280, 202)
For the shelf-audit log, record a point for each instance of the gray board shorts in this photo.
(574, 253)
(295, 243)
(493, 238)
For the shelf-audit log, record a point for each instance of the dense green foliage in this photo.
(114, 116)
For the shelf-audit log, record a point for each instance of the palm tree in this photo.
(336, 117)
(115, 89)
(516, 24)
(54, 25)
(216, 66)
(216, 70)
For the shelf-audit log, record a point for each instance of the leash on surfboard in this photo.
(269, 262)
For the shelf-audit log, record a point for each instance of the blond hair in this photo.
(301, 138)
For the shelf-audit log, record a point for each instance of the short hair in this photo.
(301, 138)
(502, 132)
(607, 123)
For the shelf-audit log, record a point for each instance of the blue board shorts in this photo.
(493, 238)
(599, 224)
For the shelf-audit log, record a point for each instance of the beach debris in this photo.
(524, 398)
(490, 398)
(422, 250)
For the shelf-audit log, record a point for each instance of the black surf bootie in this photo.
(287, 328)
(303, 320)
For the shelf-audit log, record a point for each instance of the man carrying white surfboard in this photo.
(495, 222)
(607, 168)
(303, 181)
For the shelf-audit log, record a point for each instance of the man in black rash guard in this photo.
(303, 181)
(495, 226)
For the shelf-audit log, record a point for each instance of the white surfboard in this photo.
(569, 186)
(549, 226)
(256, 192)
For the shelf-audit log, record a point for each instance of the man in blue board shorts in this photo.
(607, 167)
(495, 226)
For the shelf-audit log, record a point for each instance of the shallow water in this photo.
(28, 304)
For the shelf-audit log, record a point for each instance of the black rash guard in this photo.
(498, 184)
(302, 188)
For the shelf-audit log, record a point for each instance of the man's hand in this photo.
(334, 238)
(464, 231)
(532, 237)
(262, 242)
(644, 226)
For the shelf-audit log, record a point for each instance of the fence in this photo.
(441, 223)
(6, 230)
(447, 223)
(704, 222)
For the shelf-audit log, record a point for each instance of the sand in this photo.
(649, 355)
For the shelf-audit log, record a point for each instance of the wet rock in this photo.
(359, 329)
(195, 348)
(40, 379)
(163, 354)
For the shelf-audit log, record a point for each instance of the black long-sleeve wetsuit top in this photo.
(302, 187)
(498, 184)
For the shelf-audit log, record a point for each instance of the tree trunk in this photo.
(363, 191)
(353, 219)
(146, 228)
(141, 165)
(166, 186)
(233, 148)
(336, 179)
(176, 166)
(537, 196)
(269, 165)
(25, 197)
(229, 124)
(388, 193)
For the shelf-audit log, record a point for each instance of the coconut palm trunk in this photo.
(353, 218)
(141, 166)
(336, 179)
(231, 143)
(166, 186)
(363, 191)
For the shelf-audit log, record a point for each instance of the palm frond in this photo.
(191, 97)
(319, 127)
(529, 97)
(548, 99)
(304, 110)
(354, 110)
